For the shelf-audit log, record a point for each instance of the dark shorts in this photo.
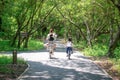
(68, 49)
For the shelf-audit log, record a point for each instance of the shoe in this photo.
(67, 55)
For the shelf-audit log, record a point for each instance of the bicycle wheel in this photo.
(50, 51)
(50, 56)
(69, 54)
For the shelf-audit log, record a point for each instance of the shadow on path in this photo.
(50, 72)
(60, 68)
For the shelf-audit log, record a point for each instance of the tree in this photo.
(114, 42)
(1, 11)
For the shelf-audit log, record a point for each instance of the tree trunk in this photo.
(113, 44)
(26, 42)
(88, 35)
(14, 39)
(1, 10)
(77, 36)
(0, 23)
(19, 40)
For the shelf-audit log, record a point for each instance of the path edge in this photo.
(23, 72)
(102, 70)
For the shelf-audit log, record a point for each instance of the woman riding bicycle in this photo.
(51, 37)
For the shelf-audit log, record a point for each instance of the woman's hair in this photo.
(51, 30)
(69, 39)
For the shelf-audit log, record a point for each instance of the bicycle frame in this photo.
(69, 54)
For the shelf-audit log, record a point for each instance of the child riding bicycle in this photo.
(69, 46)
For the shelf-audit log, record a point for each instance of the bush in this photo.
(96, 50)
(117, 52)
(32, 45)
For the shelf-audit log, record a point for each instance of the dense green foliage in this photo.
(84, 20)
(94, 25)
(32, 45)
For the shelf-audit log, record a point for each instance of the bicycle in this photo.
(51, 49)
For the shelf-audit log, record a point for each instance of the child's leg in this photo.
(67, 49)
(71, 50)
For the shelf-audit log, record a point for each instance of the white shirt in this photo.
(54, 35)
(69, 44)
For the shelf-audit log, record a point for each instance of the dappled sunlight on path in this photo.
(60, 68)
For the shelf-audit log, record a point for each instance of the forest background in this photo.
(94, 25)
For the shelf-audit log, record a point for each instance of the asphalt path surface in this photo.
(59, 67)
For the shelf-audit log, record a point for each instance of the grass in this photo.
(6, 66)
(32, 45)
(116, 64)
(7, 69)
(35, 45)
(99, 51)
(6, 61)
(81, 45)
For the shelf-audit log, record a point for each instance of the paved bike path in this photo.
(60, 68)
